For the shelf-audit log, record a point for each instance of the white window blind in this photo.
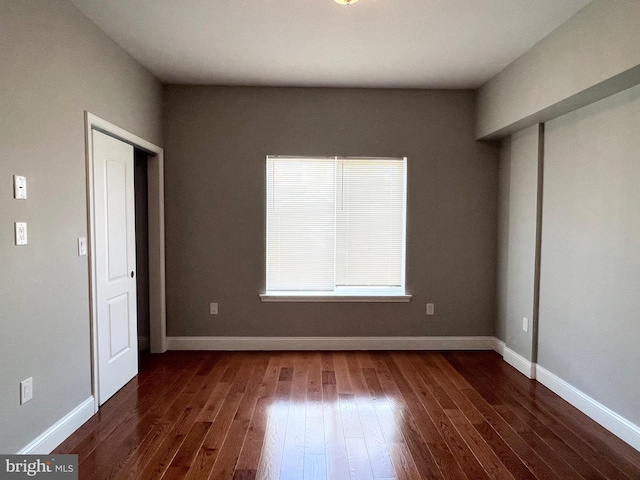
(336, 225)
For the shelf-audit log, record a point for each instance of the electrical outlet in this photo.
(21, 233)
(525, 324)
(213, 308)
(26, 390)
(430, 308)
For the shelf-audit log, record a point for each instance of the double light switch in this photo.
(20, 193)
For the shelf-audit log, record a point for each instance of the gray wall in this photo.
(594, 54)
(216, 140)
(590, 271)
(502, 256)
(588, 323)
(54, 65)
(517, 239)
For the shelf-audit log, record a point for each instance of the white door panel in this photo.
(116, 216)
(119, 326)
(115, 260)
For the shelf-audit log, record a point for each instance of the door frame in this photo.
(155, 200)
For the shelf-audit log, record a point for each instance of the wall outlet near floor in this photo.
(430, 308)
(213, 308)
(525, 324)
(26, 390)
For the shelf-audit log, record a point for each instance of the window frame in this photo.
(341, 294)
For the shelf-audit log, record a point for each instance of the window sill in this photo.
(306, 297)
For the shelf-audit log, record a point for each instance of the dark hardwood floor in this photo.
(342, 415)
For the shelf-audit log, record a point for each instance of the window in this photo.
(335, 226)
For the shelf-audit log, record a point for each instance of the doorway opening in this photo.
(150, 159)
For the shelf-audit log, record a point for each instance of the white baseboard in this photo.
(331, 343)
(517, 361)
(609, 419)
(61, 430)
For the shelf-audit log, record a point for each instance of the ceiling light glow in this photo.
(345, 2)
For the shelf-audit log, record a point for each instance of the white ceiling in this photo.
(374, 43)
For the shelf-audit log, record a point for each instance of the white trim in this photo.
(270, 297)
(618, 425)
(155, 171)
(157, 286)
(606, 417)
(517, 361)
(331, 343)
(60, 431)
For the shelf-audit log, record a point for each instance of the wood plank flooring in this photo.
(342, 416)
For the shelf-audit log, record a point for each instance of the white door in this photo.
(115, 261)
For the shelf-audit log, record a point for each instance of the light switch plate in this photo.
(19, 187)
(82, 246)
(21, 233)
(430, 308)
